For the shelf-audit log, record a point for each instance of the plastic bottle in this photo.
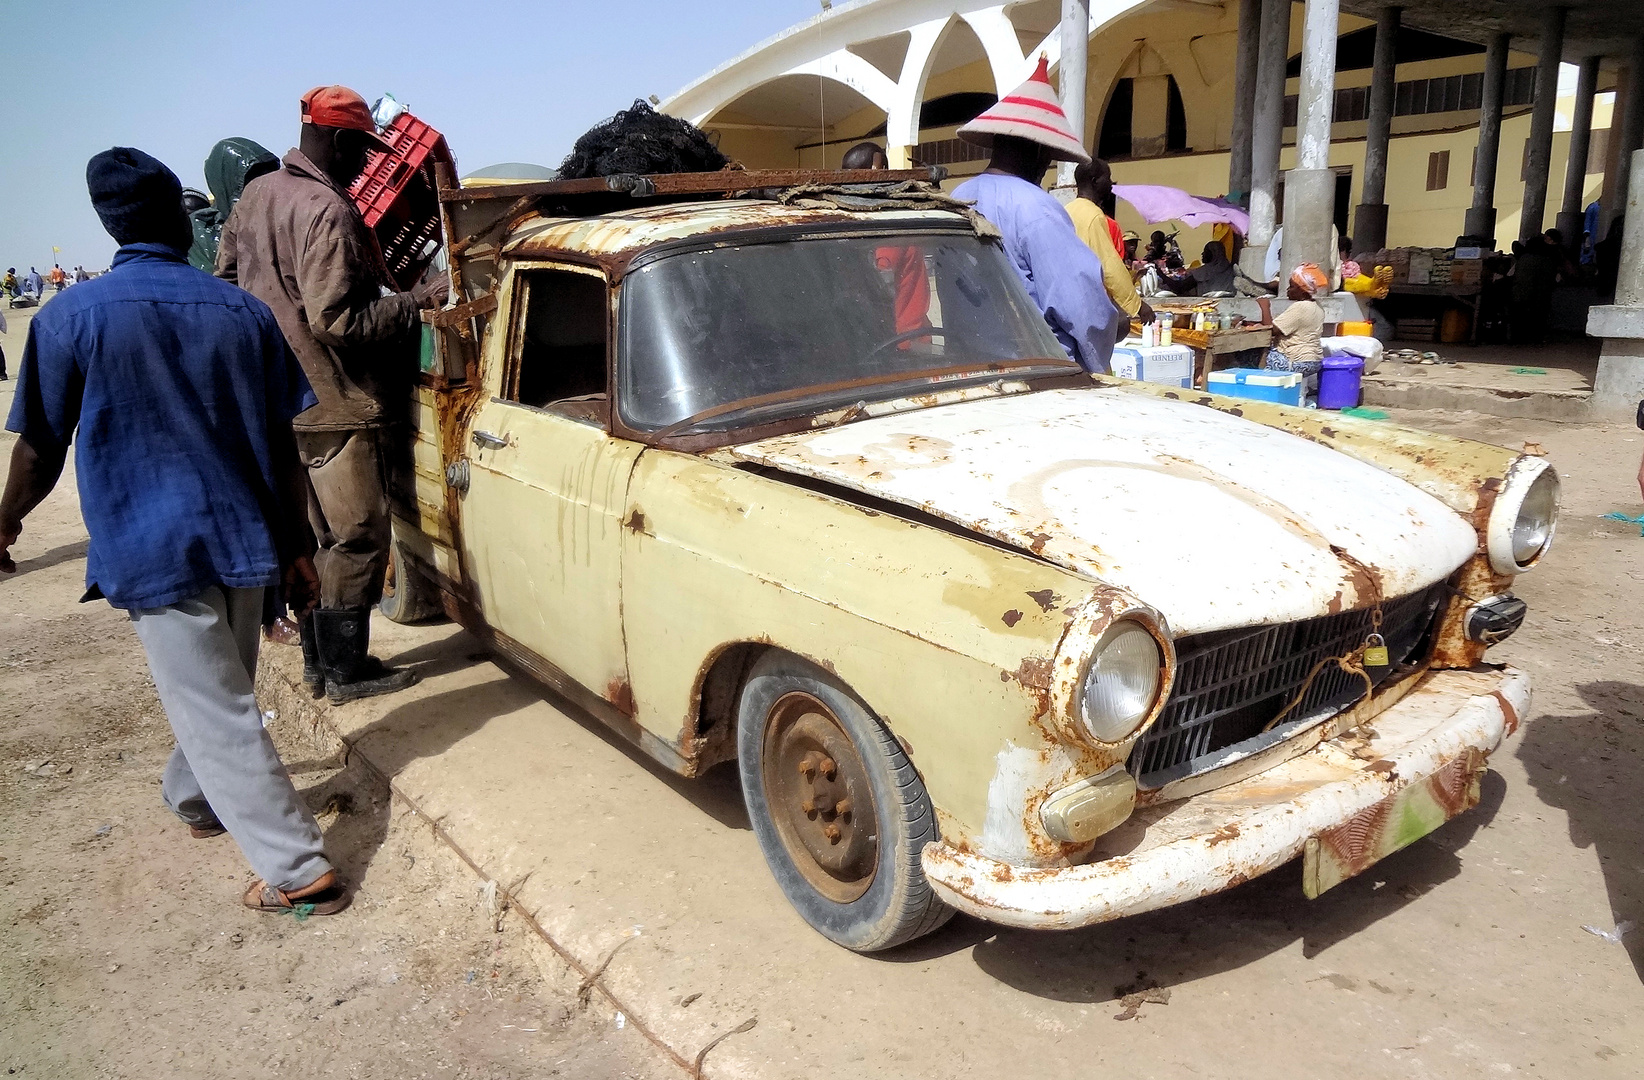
(1167, 323)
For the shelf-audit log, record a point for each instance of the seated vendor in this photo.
(1298, 328)
(1212, 277)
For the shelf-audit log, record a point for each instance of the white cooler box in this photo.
(1171, 365)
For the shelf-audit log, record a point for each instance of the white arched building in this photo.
(1159, 99)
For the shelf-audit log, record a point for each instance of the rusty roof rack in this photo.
(576, 198)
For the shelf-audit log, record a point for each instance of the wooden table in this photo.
(1468, 296)
(1209, 344)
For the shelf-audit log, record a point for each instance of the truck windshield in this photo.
(720, 338)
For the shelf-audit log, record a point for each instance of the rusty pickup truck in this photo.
(799, 477)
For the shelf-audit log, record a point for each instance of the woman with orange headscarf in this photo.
(1298, 328)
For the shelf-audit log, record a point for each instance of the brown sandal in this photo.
(326, 896)
(206, 831)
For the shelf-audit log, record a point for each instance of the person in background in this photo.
(80, 275)
(1094, 182)
(1349, 267)
(8, 284)
(865, 155)
(1212, 277)
(1132, 242)
(1607, 257)
(178, 392)
(34, 284)
(905, 263)
(1027, 131)
(1535, 273)
(1299, 328)
(296, 242)
(57, 278)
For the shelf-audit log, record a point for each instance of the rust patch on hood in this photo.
(1365, 580)
(1011, 617)
(1045, 598)
(1227, 832)
(635, 522)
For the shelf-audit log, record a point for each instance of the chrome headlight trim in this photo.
(1524, 517)
(1097, 621)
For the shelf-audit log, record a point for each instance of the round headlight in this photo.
(1524, 516)
(1122, 682)
(1534, 526)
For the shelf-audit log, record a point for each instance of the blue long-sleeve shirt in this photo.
(171, 384)
(1063, 276)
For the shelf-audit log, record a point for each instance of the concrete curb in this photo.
(1563, 406)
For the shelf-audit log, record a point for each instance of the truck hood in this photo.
(1216, 521)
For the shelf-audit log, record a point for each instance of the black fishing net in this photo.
(641, 140)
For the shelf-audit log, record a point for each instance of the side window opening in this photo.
(562, 344)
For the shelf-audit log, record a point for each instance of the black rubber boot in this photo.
(313, 676)
(343, 635)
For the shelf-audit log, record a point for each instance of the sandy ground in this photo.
(125, 953)
(126, 956)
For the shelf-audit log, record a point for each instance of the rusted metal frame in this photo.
(728, 180)
(816, 227)
(448, 317)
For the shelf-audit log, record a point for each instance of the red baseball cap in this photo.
(338, 107)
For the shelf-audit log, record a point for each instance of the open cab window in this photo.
(560, 344)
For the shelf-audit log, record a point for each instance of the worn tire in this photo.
(898, 904)
(407, 596)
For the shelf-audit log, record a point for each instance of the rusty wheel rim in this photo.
(819, 798)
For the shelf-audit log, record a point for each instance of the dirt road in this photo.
(1466, 955)
(124, 951)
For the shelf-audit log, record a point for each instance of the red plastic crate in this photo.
(386, 175)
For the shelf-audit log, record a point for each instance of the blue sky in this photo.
(504, 80)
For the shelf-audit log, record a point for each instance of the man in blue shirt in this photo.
(179, 391)
(1027, 131)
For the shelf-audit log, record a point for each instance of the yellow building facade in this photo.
(907, 73)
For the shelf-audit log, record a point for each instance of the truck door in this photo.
(541, 518)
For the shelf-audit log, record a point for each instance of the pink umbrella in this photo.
(1155, 202)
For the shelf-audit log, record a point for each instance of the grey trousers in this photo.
(349, 513)
(202, 653)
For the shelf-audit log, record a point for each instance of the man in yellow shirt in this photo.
(1101, 234)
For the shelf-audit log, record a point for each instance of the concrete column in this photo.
(1619, 385)
(1540, 160)
(1370, 219)
(1481, 218)
(1071, 77)
(1629, 130)
(1267, 132)
(1310, 188)
(1244, 100)
(1575, 170)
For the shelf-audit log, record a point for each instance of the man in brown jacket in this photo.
(296, 242)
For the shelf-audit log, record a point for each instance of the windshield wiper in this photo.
(798, 393)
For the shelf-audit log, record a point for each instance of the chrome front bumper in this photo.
(1212, 841)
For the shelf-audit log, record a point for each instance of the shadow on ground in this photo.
(427, 727)
(1591, 766)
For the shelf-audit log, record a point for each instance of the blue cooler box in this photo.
(1171, 365)
(1258, 384)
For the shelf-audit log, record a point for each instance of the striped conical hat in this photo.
(1030, 112)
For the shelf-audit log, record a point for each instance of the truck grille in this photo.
(1231, 683)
